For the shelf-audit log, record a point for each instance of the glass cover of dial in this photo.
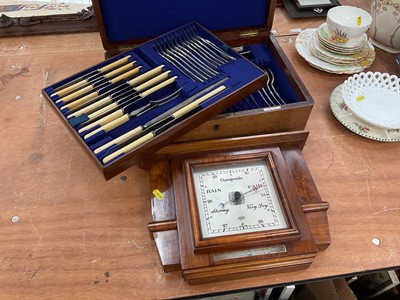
(237, 197)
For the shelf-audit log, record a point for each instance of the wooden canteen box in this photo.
(243, 25)
(263, 94)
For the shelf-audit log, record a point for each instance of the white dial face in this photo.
(237, 197)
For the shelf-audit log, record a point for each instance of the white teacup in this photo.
(348, 22)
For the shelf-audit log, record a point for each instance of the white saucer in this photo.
(352, 122)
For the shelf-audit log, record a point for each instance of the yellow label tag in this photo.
(359, 21)
(360, 98)
(158, 194)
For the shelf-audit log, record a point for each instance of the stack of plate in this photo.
(326, 51)
(369, 105)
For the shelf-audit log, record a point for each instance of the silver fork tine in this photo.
(211, 45)
(202, 67)
(268, 102)
(214, 62)
(177, 64)
(196, 53)
(272, 89)
(182, 59)
(193, 41)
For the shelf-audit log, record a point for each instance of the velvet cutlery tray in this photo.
(133, 104)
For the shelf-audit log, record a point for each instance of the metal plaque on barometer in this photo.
(234, 213)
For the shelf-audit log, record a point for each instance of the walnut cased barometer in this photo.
(238, 213)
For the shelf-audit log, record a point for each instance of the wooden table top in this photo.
(67, 233)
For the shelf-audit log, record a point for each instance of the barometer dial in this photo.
(237, 197)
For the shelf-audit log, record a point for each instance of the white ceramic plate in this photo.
(374, 97)
(352, 122)
(303, 42)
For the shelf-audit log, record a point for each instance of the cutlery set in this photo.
(129, 100)
(126, 101)
(196, 57)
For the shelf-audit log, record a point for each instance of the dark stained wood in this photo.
(200, 268)
(287, 139)
(314, 207)
(285, 190)
(238, 271)
(161, 226)
(167, 245)
(74, 226)
(196, 254)
(257, 121)
(163, 206)
(317, 218)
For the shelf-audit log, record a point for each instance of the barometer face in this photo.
(237, 197)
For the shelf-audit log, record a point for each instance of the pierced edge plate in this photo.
(302, 44)
(374, 97)
(352, 122)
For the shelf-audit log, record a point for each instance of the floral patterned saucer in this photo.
(340, 50)
(364, 57)
(336, 41)
(303, 42)
(352, 122)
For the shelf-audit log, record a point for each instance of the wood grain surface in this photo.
(66, 233)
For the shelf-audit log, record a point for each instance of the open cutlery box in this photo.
(193, 78)
(179, 71)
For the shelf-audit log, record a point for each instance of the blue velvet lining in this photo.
(145, 19)
(261, 56)
(238, 72)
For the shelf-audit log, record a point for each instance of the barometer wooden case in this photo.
(221, 210)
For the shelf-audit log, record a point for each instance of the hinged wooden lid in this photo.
(124, 24)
